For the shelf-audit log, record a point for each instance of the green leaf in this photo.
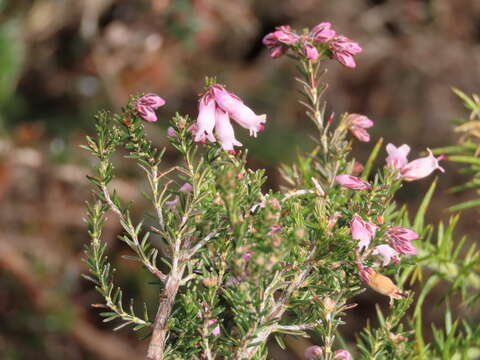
(373, 155)
(419, 221)
(465, 205)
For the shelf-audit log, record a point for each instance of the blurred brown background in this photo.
(61, 61)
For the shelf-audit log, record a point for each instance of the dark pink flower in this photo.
(146, 106)
(352, 182)
(401, 239)
(277, 51)
(310, 51)
(322, 32)
(357, 125)
(285, 35)
(343, 49)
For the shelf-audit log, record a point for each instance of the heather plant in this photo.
(235, 265)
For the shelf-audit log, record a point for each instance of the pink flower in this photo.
(275, 229)
(344, 58)
(171, 132)
(193, 130)
(285, 35)
(422, 167)
(186, 187)
(397, 157)
(247, 255)
(313, 352)
(342, 354)
(216, 329)
(358, 123)
(224, 131)
(238, 111)
(362, 231)
(400, 238)
(352, 182)
(322, 32)
(343, 50)
(147, 113)
(311, 51)
(359, 120)
(206, 118)
(277, 51)
(343, 44)
(270, 40)
(146, 106)
(387, 253)
(152, 100)
(366, 273)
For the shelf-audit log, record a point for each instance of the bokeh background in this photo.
(63, 60)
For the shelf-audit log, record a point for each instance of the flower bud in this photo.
(322, 32)
(152, 100)
(342, 354)
(352, 182)
(313, 352)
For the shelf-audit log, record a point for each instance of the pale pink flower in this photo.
(224, 131)
(152, 100)
(397, 157)
(352, 182)
(360, 133)
(357, 125)
(216, 329)
(275, 229)
(171, 132)
(400, 238)
(238, 111)
(422, 167)
(146, 113)
(322, 32)
(186, 187)
(359, 120)
(363, 231)
(206, 118)
(342, 354)
(310, 51)
(387, 253)
(313, 352)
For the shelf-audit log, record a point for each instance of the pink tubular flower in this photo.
(277, 51)
(147, 113)
(352, 182)
(206, 118)
(238, 111)
(171, 132)
(216, 329)
(224, 131)
(186, 187)
(387, 253)
(322, 32)
(342, 354)
(400, 238)
(146, 106)
(285, 35)
(397, 157)
(422, 167)
(313, 352)
(358, 123)
(362, 231)
(310, 51)
(152, 100)
(343, 50)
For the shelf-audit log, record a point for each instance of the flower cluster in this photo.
(322, 39)
(216, 107)
(413, 170)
